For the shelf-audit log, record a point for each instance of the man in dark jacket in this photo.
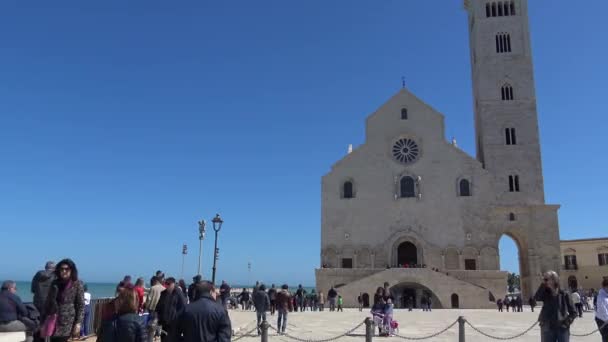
(558, 311)
(192, 288)
(284, 305)
(224, 293)
(13, 314)
(332, 294)
(272, 295)
(170, 307)
(205, 320)
(261, 303)
(41, 284)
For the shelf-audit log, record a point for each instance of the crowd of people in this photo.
(199, 312)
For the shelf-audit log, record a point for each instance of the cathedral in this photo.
(410, 209)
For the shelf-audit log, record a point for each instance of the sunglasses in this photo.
(64, 269)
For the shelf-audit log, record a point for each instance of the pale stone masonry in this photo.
(584, 263)
(408, 197)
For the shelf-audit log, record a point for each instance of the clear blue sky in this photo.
(122, 123)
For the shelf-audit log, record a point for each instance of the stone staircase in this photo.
(441, 285)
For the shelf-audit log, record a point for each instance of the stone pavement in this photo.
(322, 325)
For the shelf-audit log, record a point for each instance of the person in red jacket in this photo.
(139, 289)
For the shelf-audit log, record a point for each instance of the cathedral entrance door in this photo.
(407, 253)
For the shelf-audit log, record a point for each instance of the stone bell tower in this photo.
(506, 121)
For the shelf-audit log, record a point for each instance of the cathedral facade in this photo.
(409, 208)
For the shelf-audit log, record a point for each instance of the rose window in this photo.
(406, 151)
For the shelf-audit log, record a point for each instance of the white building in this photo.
(409, 197)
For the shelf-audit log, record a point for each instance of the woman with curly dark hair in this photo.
(65, 303)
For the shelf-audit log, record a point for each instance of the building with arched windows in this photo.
(409, 208)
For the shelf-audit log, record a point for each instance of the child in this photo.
(340, 302)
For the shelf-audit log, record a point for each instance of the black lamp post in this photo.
(217, 225)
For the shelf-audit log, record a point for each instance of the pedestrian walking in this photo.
(423, 303)
(576, 300)
(41, 285)
(127, 325)
(300, 295)
(321, 301)
(84, 330)
(601, 310)
(272, 296)
(429, 303)
(332, 294)
(192, 288)
(557, 313)
(170, 307)
(360, 301)
(152, 301)
(141, 292)
(340, 303)
(65, 304)
(204, 319)
(499, 304)
(224, 293)
(284, 305)
(261, 302)
(532, 303)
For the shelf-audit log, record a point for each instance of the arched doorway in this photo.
(455, 303)
(407, 254)
(365, 299)
(406, 294)
(514, 261)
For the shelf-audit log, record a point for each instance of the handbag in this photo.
(48, 327)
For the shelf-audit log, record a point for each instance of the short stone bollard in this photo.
(369, 329)
(461, 321)
(264, 327)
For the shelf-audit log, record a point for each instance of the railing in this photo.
(96, 308)
(369, 324)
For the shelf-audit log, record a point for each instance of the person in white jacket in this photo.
(601, 310)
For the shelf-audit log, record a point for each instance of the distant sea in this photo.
(103, 290)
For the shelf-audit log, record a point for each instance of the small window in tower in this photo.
(513, 183)
(500, 9)
(488, 10)
(513, 139)
(512, 4)
(510, 138)
(493, 9)
(511, 217)
(508, 43)
(347, 190)
(464, 188)
(404, 114)
(407, 187)
(506, 92)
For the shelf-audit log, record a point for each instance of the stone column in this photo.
(373, 259)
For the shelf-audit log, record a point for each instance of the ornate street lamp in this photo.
(201, 237)
(217, 225)
(184, 252)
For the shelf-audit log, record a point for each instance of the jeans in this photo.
(300, 303)
(603, 331)
(282, 318)
(579, 309)
(273, 306)
(332, 304)
(261, 316)
(548, 334)
(84, 330)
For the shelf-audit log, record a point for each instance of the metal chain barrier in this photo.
(591, 333)
(428, 336)
(247, 334)
(321, 340)
(499, 337)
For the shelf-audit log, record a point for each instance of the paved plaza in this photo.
(322, 325)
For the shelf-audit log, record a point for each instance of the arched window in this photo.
(493, 9)
(464, 188)
(404, 114)
(511, 217)
(500, 9)
(510, 138)
(512, 5)
(513, 183)
(506, 92)
(347, 190)
(488, 10)
(506, 8)
(407, 188)
(503, 42)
